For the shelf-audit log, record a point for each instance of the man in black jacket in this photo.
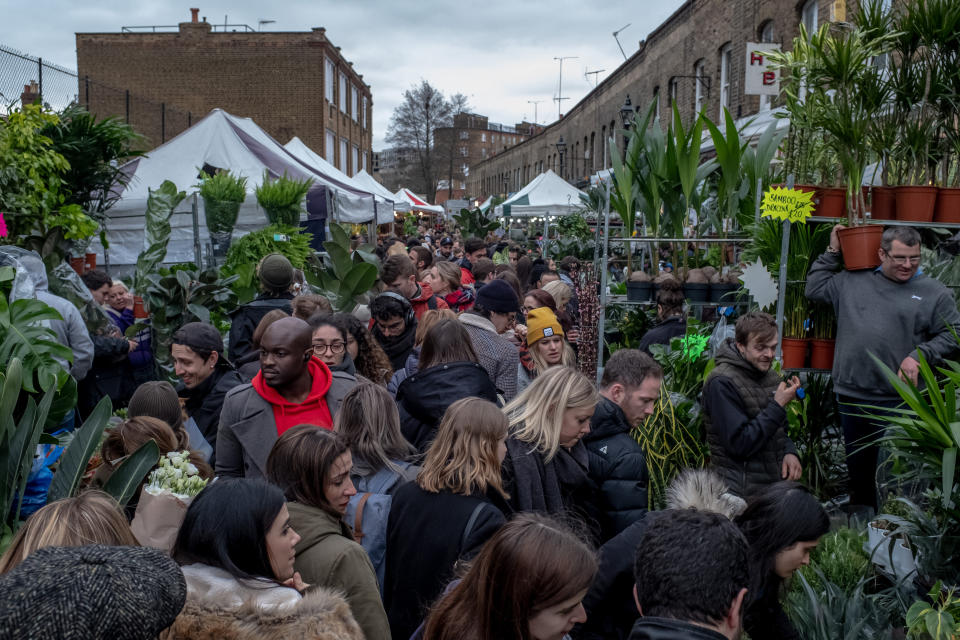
(744, 401)
(276, 275)
(205, 378)
(692, 574)
(629, 390)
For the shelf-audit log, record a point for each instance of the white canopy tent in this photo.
(369, 183)
(546, 195)
(221, 141)
(417, 203)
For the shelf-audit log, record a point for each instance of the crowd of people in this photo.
(433, 466)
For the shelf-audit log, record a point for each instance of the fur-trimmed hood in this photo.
(703, 490)
(220, 607)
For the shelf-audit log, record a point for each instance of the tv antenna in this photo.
(534, 103)
(596, 80)
(615, 34)
(560, 86)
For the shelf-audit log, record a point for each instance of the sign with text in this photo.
(759, 78)
(781, 203)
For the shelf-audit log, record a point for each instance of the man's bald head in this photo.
(285, 351)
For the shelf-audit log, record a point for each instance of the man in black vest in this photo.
(743, 402)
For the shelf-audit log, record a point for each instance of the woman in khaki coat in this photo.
(312, 467)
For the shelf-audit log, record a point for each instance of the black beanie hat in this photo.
(157, 399)
(276, 272)
(499, 296)
(92, 592)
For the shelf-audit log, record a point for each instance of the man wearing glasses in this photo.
(894, 312)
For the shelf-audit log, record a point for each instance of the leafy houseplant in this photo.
(474, 223)
(245, 254)
(222, 194)
(282, 199)
(347, 274)
(161, 204)
(812, 426)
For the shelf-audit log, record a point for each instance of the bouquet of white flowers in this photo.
(170, 489)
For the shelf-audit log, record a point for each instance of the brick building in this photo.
(697, 57)
(289, 83)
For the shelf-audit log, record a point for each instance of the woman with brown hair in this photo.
(448, 371)
(447, 514)
(368, 356)
(426, 321)
(526, 584)
(92, 517)
(312, 466)
(671, 322)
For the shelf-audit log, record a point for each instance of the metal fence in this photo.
(59, 87)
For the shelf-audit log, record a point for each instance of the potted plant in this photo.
(824, 330)
(796, 323)
(282, 199)
(222, 194)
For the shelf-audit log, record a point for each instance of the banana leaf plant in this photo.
(348, 274)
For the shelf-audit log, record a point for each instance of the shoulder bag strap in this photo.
(471, 523)
(358, 518)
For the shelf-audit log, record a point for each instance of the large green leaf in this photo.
(360, 279)
(128, 477)
(75, 457)
(161, 204)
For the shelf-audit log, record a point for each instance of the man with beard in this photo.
(394, 326)
(293, 387)
(743, 402)
(399, 274)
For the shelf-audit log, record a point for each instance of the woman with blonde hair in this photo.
(429, 318)
(92, 517)
(546, 345)
(447, 514)
(445, 278)
(546, 467)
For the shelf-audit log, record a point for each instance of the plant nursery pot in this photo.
(821, 353)
(723, 291)
(860, 246)
(947, 208)
(916, 203)
(794, 352)
(876, 546)
(639, 291)
(139, 311)
(89, 261)
(903, 561)
(833, 202)
(77, 265)
(883, 206)
(221, 242)
(696, 291)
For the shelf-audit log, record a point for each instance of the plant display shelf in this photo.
(894, 223)
(619, 298)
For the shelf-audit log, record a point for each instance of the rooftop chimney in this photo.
(194, 14)
(30, 93)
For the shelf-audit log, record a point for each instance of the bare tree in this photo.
(414, 124)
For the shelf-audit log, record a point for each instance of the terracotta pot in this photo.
(90, 262)
(77, 264)
(883, 206)
(821, 353)
(794, 352)
(833, 202)
(947, 208)
(138, 309)
(915, 203)
(860, 246)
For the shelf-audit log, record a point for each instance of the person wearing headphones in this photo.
(394, 326)
(293, 387)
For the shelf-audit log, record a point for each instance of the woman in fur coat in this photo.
(236, 550)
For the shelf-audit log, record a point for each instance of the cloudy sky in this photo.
(499, 53)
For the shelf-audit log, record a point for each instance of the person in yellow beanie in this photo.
(547, 345)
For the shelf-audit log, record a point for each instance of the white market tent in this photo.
(546, 195)
(486, 204)
(223, 141)
(369, 183)
(417, 203)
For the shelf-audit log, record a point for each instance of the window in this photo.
(483, 152)
(363, 115)
(463, 151)
(342, 160)
(329, 80)
(465, 170)
(672, 92)
(808, 16)
(464, 135)
(343, 93)
(698, 81)
(656, 99)
(603, 146)
(726, 56)
(766, 35)
(330, 147)
(363, 157)
(354, 103)
(483, 137)
(355, 160)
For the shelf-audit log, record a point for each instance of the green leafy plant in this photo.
(474, 223)
(246, 253)
(282, 199)
(222, 194)
(839, 559)
(161, 203)
(812, 426)
(935, 619)
(347, 274)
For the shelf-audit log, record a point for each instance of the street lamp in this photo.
(626, 113)
(561, 149)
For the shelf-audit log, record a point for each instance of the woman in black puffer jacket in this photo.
(448, 371)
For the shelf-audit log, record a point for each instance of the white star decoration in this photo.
(760, 284)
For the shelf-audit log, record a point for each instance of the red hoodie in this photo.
(313, 410)
(422, 302)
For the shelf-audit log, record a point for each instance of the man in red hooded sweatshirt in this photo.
(293, 387)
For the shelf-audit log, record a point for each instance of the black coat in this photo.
(204, 402)
(664, 332)
(764, 617)
(110, 375)
(618, 466)
(426, 536)
(244, 321)
(668, 629)
(423, 397)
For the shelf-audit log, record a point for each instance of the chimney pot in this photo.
(194, 15)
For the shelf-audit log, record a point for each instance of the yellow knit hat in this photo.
(542, 323)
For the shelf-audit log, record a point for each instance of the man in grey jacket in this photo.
(71, 330)
(894, 312)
